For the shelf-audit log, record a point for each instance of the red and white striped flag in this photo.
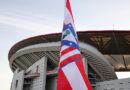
(71, 74)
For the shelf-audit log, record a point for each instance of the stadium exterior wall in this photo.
(48, 76)
(34, 62)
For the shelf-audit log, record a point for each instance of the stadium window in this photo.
(121, 83)
(112, 88)
(16, 84)
(37, 69)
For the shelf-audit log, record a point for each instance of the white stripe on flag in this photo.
(71, 53)
(68, 18)
(64, 47)
(74, 77)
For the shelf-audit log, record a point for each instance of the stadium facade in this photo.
(34, 61)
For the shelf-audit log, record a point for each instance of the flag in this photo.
(71, 74)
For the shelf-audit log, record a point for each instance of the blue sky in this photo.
(20, 19)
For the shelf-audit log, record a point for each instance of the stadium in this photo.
(34, 61)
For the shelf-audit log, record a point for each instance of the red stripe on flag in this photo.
(80, 65)
(69, 8)
(62, 82)
(69, 59)
(67, 50)
(64, 24)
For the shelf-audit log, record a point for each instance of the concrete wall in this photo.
(40, 66)
(121, 84)
(18, 80)
(43, 82)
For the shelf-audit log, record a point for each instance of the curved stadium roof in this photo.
(114, 45)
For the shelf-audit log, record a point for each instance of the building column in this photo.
(43, 70)
(18, 79)
(40, 67)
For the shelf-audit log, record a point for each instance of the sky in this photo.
(21, 19)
